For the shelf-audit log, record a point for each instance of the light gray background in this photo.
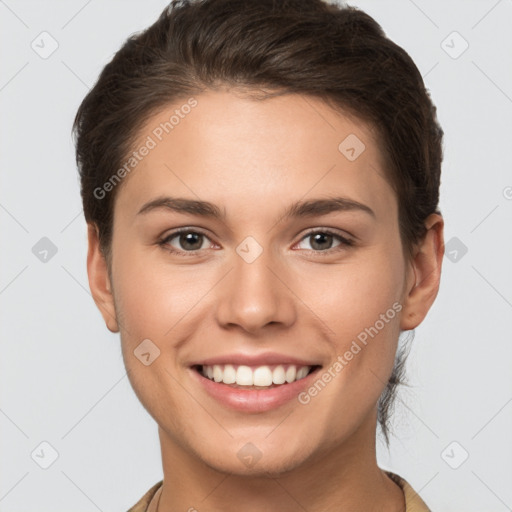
(61, 371)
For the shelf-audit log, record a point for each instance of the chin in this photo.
(257, 457)
(268, 466)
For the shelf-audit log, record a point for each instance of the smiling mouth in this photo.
(255, 377)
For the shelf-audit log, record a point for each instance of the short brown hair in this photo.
(336, 53)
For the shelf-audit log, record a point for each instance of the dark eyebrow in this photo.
(182, 205)
(313, 207)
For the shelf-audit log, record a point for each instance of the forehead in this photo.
(223, 146)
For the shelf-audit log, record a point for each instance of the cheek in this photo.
(351, 297)
(152, 302)
(152, 296)
(360, 305)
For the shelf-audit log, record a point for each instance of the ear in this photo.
(424, 274)
(99, 280)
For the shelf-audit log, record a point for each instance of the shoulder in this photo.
(413, 501)
(143, 504)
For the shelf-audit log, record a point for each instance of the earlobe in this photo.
(426, 274)
(99, 279)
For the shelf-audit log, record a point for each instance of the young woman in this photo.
(261, 182)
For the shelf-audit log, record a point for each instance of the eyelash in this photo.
(164, 242)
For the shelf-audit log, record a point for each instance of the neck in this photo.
(344, 478)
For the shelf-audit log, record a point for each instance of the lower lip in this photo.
(254, 400)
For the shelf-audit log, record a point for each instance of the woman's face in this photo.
(295, 262)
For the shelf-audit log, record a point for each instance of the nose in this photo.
(256, 294)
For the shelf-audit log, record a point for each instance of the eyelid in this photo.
(331, 231)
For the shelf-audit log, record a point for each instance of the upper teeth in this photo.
(255, 376)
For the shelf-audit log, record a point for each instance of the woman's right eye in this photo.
(186, 241)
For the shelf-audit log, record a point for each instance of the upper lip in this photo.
(267, 358)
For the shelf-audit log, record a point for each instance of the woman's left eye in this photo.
(321, 238)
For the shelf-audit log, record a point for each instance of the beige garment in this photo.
(413, 502)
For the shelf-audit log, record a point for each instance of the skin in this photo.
(253, 159)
